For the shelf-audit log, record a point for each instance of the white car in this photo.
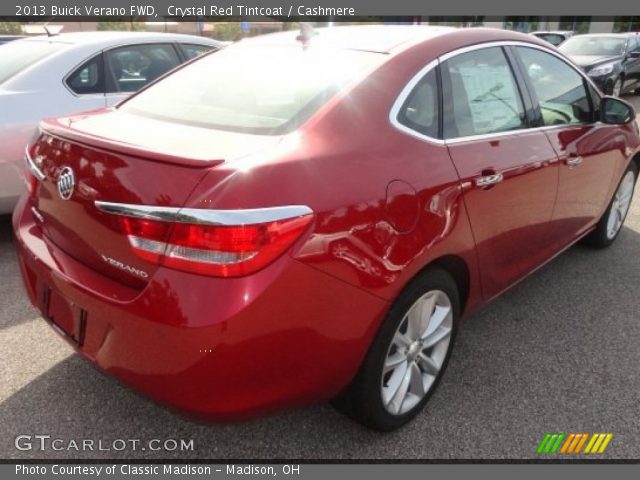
(52, 76)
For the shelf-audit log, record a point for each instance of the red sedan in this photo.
(299, 218)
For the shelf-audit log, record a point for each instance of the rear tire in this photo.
(609, 226)
(408, 356)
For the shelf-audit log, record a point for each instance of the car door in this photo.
(590, 152)
(131, 67)
(87, 86)
(508, 171)
(632, 64)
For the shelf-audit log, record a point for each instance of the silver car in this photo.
(57, 75)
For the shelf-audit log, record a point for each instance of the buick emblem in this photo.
(66, 183)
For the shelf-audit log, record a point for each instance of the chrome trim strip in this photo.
(402, 98)
(33, 168)
(492, 136)
(406, 91)
(37, 214)
(205, 216)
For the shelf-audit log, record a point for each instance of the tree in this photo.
(112, 25)
(10, 28)
(230, 31)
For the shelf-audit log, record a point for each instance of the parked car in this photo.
(68, 73)
(9, 38)
(554, 37)
(612, 61)
(317, 230)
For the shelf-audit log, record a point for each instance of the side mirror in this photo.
(615, 111)
(634, 54)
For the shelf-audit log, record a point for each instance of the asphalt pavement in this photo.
(558, 353)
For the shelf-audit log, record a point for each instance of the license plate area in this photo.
(67, 318)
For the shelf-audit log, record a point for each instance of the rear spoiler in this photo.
(63, 128)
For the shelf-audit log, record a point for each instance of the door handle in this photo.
(574, 161)
(488, 180)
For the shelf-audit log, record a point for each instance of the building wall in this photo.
(601, 27)
(547, 23)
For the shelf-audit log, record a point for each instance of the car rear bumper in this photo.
(215, 348)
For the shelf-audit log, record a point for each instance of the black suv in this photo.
(612, 61)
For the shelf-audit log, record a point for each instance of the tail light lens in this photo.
(215, 246)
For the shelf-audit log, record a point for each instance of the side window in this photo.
(560, 89)
(191, 50)
(420, 111)
(132, 67)
(88, 78)
(480, 94)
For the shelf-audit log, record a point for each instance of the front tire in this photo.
(609, 226)
(408, 356)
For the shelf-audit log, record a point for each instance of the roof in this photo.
(552, 32)
(108, 37)
(375, 38)
(619, 35)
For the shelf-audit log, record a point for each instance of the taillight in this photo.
(147, 237)
(221, 243)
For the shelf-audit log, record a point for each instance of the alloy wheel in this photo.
(620, 205)
(417, 352)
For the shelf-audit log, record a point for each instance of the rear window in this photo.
(18, 55)
(261, 90)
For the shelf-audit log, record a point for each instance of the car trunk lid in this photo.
(93, 160)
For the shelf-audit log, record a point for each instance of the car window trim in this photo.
(400, 101)
(73, 70)
(408, 88)
(438, 102)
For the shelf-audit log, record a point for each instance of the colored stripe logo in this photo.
(574, 443)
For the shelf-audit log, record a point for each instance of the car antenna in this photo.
(50, 32)
(307, 32)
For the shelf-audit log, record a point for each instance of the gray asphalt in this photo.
(559, 352)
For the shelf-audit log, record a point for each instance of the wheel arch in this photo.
(457, 267)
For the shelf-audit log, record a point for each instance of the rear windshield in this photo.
(257, 89)
(597, 46)
(18, 55)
